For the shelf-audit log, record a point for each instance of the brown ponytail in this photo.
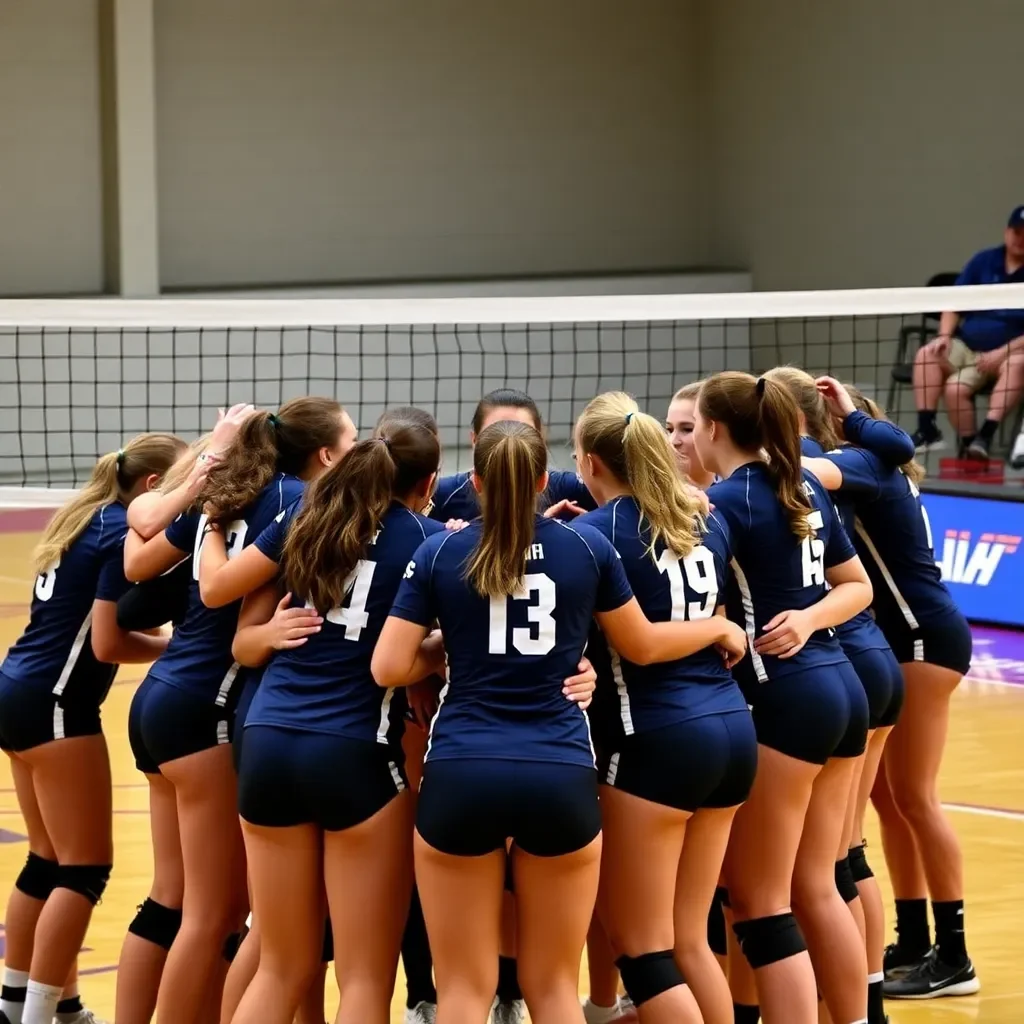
(510, 459)
(269, 443)
(635, 449)
(761, 416)
(113, 478)
(810, 402)
(912, 470)
(343, 509)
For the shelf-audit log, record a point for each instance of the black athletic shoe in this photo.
(897, 960)
(932, 978)
(928, 441)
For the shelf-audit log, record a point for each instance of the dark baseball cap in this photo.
(1016, 218)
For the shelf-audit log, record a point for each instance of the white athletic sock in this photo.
(13, 1000)
(594, 1014)
(41, 1003)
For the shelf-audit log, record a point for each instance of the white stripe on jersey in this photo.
(750, 624)
(385, 716)
(625, 712)
(224, 690)
(223, 732)
(613, 769)
(886, 575)
(58, 722)
(76, 650)
(397, 776)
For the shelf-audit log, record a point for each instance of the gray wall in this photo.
(330, 140)
(51, 238)
(859, 144)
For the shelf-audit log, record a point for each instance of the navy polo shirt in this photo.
(988, 329)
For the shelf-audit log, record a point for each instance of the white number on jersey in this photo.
(234, 540)
(354, 616)
(536, 585)
(924, 514)
(46, 581)
(699, 567)
(812, 553)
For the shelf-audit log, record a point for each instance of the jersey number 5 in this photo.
(536, 585)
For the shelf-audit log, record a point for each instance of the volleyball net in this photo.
(81, 376)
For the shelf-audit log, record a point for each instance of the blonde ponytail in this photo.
(634, 448)
(112, 479)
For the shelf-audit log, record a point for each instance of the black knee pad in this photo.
(38, 878)
(88, 880)
(327, 954)
(716, 925)
(767, 940)
(859, 865)
(844, 881)
(649, 974)
(156, 923)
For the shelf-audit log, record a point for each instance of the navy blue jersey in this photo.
(55, 651)
(198, 658)
(509, 657)
(774, 570)
(325, 685)
(890, 443)
(894, 541)
(640, 698)
(985, 330)
(456, 498)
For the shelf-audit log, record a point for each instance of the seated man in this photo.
(973, 350)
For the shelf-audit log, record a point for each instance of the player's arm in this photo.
(223, 580)
(147, 559)
(268, 623)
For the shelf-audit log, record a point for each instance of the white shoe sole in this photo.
(961, 988)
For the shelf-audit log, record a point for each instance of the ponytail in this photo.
(112, 479)
(634, 448)
(509, 459)
(269, 443)
(343, 509)
(761, 416)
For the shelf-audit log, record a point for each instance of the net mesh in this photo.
(81, 377)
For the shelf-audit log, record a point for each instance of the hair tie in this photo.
(273, 420)
(384, 441)
(760, 386)
(120, 457)
(629, 417)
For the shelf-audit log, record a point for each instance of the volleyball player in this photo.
(182, 716)
(565, 495)
(809, 707)
(932, 642)
(52, 684)
(821, 421)
(508, 756)
(679, 424)
(677, 751)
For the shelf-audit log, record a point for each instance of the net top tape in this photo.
(247, 313)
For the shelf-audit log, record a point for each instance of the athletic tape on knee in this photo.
(716, 926)
(844, 881)
(38, 877)
(156, 923)
(88, 880)
(649, 974)
(767, 940)
(859, 865)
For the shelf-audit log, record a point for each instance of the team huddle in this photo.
(479, 722)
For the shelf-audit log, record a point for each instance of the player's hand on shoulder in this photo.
(580, 688)
(456, 524)
(565, 505)
(292, 627)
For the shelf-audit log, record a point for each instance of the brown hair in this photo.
(635, 449)
(913, 470)
(761, 415)
(506, 398)
(113, 478)
(269, 443)
(405, 414)
(688, 392)
(509, 458)
(810, 402)
(343, 508)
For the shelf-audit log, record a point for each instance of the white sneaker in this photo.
(594, 1014)
(1017, 455)
(512, 1012)
(84, 1016)
(422, 1013)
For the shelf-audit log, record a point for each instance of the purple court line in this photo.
(98, 970)
(117, 785)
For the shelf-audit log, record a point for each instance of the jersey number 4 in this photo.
(536, 587)
(354, 616)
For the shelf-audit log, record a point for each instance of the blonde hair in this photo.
(912, 470)
(510, 458)
(178, 473)
(688, 392)
(636, 451)
(113, 478)
(810, 402)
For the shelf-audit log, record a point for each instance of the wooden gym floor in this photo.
(982, 784)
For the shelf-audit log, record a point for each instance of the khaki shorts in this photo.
(963, 360)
